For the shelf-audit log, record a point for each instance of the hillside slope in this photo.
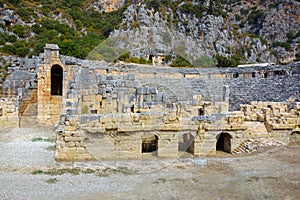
(206, 31)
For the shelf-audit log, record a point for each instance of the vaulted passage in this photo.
(223, 142)
(150, 144)
(186, 143)
(56, 80)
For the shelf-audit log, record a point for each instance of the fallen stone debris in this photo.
(252, 145)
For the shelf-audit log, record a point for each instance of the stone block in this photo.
(131, 77)
(72, 139)
(70, 128)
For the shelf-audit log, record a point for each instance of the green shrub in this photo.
(134, 60)
(9, 49)
(223, 61)
(24, 13)
(37, 172)
(37, 28)
(125, 57)
(22, 51)
(142, 60)
(238, 17)
(168, 58)
(255, 16)
(180, 62)
(155, 4)
(2, 40)
(285, 45)
(10, 38)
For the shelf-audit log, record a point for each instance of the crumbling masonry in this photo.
(107, 111)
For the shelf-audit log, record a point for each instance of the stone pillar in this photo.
(226, 93)
(49, 106)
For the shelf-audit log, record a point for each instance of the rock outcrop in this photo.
(247, 31)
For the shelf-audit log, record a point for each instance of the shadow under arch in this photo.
(56, 80)
(186, 142)
(223, 142)
(150, 143)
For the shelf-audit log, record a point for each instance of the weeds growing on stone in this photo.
(76, 171)
(37, 172)
(39, 139)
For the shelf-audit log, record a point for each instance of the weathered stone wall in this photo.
(49, 105)
(121, 111)
(280, 119)
(22, 75)
(278, 89)
(9, 112)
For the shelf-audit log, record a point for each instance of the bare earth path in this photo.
(28, 171)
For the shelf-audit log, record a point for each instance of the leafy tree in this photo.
(70, 48)
(22, 51)
(223, 61)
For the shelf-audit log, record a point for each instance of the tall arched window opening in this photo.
(56, 80)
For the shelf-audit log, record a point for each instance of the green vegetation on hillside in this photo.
(78, 28)
(79, 31)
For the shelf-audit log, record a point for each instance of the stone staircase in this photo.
(252, 145)
(29, 117)
(175, 89)
(28, 109)
(210, 89)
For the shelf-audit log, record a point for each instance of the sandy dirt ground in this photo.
(28, 171)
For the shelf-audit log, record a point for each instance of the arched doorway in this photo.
(56, 80)
(224, 142)
(186, 143)
(149, 144)
(295, 137)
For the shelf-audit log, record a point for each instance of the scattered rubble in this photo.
(252, 145)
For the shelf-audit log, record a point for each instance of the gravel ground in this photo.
(273, 174)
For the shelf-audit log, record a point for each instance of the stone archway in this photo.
(295, 137)
(56, 80)
(224, 142)
(186, 143)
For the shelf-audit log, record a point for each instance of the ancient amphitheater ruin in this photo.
(105, 111)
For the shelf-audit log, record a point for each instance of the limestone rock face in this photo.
(249, 31)
(252, 37)
(106, 5)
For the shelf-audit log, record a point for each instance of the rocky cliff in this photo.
(249, 31)
(199, 31)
